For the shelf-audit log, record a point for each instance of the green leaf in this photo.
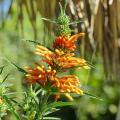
(52, 21)
(59, 104)
(93, 96)
(19, 69)
(11, 108)
(61, 8)
(51, 118)
(91, 65)
(13, 93)
(16, 103)
(76, 22)
(52, 111)
(5, 78)
(33, 41)
(2, 68)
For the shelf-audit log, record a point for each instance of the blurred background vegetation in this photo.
(20, 20)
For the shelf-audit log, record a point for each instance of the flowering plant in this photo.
(55, 61)
(48, 80)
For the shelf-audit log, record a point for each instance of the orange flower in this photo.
(67, 84)
(49, 56)
(64, 42)
(69, 61)
(60, 59)
(43, 51)
(39, 75)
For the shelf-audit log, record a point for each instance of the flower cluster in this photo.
(58, 60)
(67, 43)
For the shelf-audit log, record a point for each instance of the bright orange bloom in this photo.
(49, 56)
(69, 61)
(60, 59)
(39, 75)
(63, 42)
(43, 51)
(67, 84)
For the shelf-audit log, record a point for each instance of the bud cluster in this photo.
(63, 22)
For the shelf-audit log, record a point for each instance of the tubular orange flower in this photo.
(39, 75)
(67, 62)
(48, 54)
(68, 84)
(43, 51)
(64, 42)
(61, 59)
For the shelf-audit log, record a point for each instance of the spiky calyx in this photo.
(63, 20)
(63, 30)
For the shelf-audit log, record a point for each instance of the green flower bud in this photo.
(63, 20)
(63, 30)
